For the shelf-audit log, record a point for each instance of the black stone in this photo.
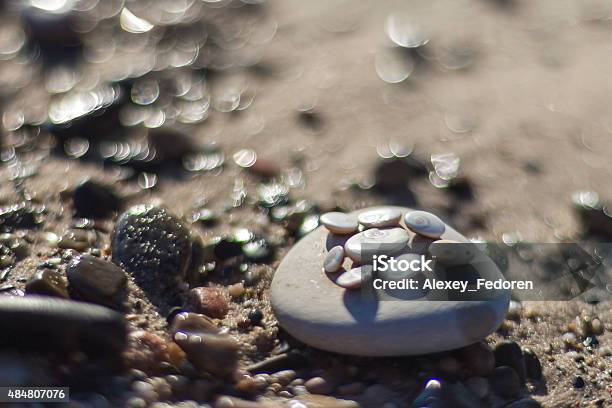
(579, 382)
(227, 248)
(532, 365)
(256, 316)
(48, 324)
(95, 280)
(509, 353)
(95, 200)
(152, 245)
(505, 382)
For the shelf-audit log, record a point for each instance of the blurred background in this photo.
(498, 108)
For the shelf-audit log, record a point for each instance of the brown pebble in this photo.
(206, 348)
(318, 385)
(47, 282)
(208, 301)
(321, 401)
(147, 351)
(236, 290)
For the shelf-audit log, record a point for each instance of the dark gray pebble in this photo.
(95, 200)
(48, 324)
(532, 365)
(153, 245)
(95, 280)
(509, 353)
(505, 382)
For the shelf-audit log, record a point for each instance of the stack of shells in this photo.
(387, 228)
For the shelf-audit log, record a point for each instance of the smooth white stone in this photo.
(339, 223)
(334, 259)
(351, 279)
(384, 241)
(313, 309)
(451, 252)
(424, 223)
(385, 217)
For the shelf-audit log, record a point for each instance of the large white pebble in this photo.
(376, 241)
(424, 223)
(334, 259)
(339, 223)
(383, 217)
(451, 252)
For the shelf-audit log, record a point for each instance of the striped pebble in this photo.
(351, 279)
(383, 217)
(334, 259)
(376, 241)
(424, 223)
(339, 223)
(451, 252)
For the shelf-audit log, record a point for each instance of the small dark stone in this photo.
(509, 353)
(579, 382)
(446, 394)
(95, 280)
(532, 365)
(478, 359)
(173, 312)
(395, 173)
(154, 246)
(50, 324)
(92, 199)
(24, 215)
(227, 248)
(256, 316)
(505, 382)
(47, 282)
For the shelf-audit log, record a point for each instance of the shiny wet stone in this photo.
(47, 282)
(98, 281)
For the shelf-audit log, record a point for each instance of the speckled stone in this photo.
(369, 327)
(339, 223)
(153, 245)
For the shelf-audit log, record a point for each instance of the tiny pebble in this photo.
(334, 259)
